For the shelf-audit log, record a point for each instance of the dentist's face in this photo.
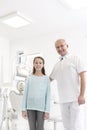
(61, 47)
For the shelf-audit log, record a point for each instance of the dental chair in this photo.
(15, 112)
(4, 116)
(2, 102)
(16, 100)
(17, 121)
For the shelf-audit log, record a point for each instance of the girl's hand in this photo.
(24, 114)
(46, 116)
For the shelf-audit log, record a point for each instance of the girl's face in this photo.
(38, 64)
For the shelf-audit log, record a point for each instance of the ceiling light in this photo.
(75, 4)
(15, 20)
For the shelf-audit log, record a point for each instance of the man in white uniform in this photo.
(70, 73)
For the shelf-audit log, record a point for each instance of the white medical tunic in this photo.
(66, 72)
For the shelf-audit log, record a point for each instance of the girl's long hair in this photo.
(43, 69)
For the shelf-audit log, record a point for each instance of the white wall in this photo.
(4, 61)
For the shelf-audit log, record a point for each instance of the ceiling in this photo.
(48, 16)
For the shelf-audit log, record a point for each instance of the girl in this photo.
(36, 99)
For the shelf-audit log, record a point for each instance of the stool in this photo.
(55, 120)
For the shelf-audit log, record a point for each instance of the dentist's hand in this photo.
(81, 100)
